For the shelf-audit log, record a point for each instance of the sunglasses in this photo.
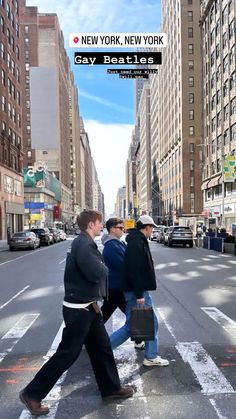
(120, 227)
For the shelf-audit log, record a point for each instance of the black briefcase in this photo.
(142, 323)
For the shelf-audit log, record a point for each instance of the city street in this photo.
(195, 301)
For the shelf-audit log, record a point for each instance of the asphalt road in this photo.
(195, 301)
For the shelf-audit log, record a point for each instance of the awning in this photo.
(214, 182)
(205, 185)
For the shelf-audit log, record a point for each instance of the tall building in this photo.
(219, 110)
(131, 182)
(75, 147)
(47, 96)
(179, 112)
(144, 172)
(11, 135)
(120, 206)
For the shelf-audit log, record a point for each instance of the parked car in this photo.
(24, 240)
(161, 234)
(155, 232)
(56, 234)
(178, 235)
(44, 235)
(62, 235)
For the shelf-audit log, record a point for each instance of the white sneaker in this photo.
(155, 362)
(140, 345)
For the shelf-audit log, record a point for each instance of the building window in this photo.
(213, 102)
(232, 55)
(218, 119)
(213, 146)
(217, 51)
(191, 165)
(212, 80)
(18, 97)
(18, 75)
(213, 124)
(191, 98)
(29, 154)
(225, 88)
(191, 180)
(8, 11)
(26, 29)
(2, 51)
(232, 80)
(218, 165)
(226, 112)
(231, 29)
(27, 55)
(17, 53)
(190, 16)
(217, 30)
(224, 39)
(2, 24)
(224, 15)
(226, 137)
(191, 147)
(17, 30)
(191, 81)
(218, 96)
(191, 131)
(218, 72)
(212, 58)
(190, 32)
(233, 106)
(191, 114)
(190, 2)
(3, 77)
(3, 104)
(225, 63)
(233, 133)
(190, 48)
(190, 65)
(218, 143)
(27, 67)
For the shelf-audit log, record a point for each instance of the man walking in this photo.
(139, 278)
(113, 254)
(85, 283)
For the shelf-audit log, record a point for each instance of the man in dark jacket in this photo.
(113, 255)
(139, 278)
(85, 283)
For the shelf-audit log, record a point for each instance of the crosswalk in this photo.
(204, 369)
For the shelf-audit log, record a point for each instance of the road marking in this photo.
(54, 396)
(15, 296)
(17, 332)
(128, 369)
(28, 254)
(220, 415)
(208, 374)
(224, 321)
(61, 261)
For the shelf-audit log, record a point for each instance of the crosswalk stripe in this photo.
(208, 374)
(54, 396)
(17, 332)
(224, 321)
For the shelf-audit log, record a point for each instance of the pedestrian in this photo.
(85, 283)
(139, 278)
(113, 254)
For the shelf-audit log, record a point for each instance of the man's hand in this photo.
(140, 301)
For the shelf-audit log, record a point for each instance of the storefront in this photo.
(11, 202)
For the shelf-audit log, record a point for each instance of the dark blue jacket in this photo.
(113, 255)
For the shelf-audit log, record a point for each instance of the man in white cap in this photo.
(139, 278)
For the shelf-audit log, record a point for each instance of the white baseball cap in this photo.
(146, 220)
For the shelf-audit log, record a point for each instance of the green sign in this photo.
(229, 169)
(41, 179)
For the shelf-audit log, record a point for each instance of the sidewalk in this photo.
(3, 245)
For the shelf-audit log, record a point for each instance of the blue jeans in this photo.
(121, 335)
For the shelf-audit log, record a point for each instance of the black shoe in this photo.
(33, 406)
(122, 393)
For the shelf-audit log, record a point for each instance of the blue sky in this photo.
(106, 102)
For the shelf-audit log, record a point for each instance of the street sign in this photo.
(229, 168)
